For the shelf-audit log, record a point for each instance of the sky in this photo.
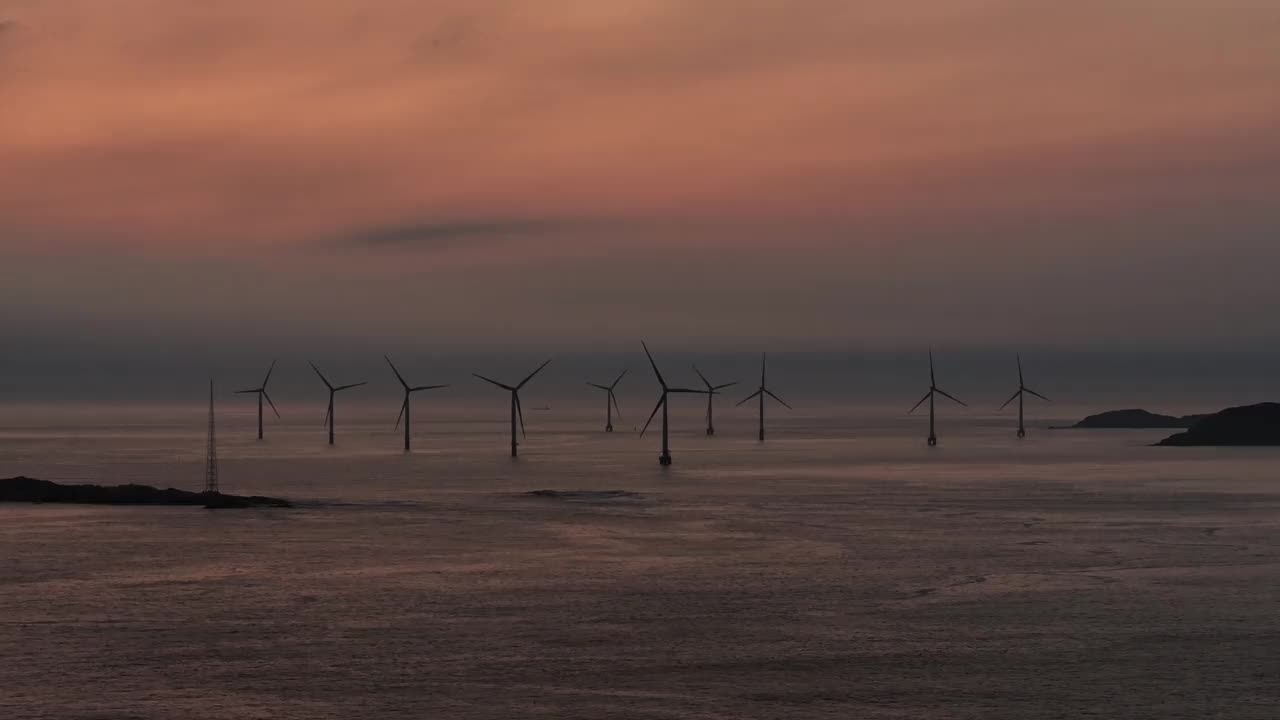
(490, 175)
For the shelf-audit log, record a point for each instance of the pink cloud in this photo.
(182, 127)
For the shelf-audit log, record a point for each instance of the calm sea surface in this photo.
(841, 570)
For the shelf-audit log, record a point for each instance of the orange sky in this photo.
(403, 136)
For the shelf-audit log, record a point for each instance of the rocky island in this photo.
(25, 489)
(1247, 425)
(1133, 420)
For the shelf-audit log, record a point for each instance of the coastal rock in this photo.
(1134, 420)
(25, 489)
(1241, 426)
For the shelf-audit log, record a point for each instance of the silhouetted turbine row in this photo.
(517, 410)
(611, 401)
(934, 391)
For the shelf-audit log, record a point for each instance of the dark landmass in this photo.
(25, 489)
(1133, 420)
(1241, 426)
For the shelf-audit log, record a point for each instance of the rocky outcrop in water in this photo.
(1242, 426)
(1134, 420)
(25, 489)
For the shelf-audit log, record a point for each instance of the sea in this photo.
(840, 569)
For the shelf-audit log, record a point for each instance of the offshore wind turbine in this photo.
(211, 452)
(404, 407)
(712, 391)
(516, 410)
(261, 391)
(760, 393)
(610, 401)
(328, 416)
(1019, 396)
(933, 391)
(665, 457)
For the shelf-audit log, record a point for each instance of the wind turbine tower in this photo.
(261, 391)
(610, 401)
(933, 391)
(328, 416)
(404, 406)
(712, 391)
(760, 393)
(1023, 390)
(211, 452)
(516, 410)
(665, 458)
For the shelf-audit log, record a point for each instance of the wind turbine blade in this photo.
(704, 379)
(427, 387)
(763, 363)
(403, 405)
(688, 391)
(752, 396)
(917, 405)
(494, 382)
(1011, 399)
(721, 387)
(323, 379)
(656, 408)
(520, 414)
(615, 382)
(246, 392)
(348, 387)
(615, 404)
(273, 405)
(268, 377)
(535, 372)
(1033, 392)
(326, 415)
(397, 372)
(932, 381)
(661, 381)
(950, 397)
(775, 397)
(601, 387)
(1020, 383)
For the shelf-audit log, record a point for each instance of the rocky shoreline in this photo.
(31, 490)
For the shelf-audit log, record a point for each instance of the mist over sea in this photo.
(1175, 379)
(842, 569)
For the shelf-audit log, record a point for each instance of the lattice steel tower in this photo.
(211, 456)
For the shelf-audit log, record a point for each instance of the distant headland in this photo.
(1256, 425)
(31, 490)
(1132, 420)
